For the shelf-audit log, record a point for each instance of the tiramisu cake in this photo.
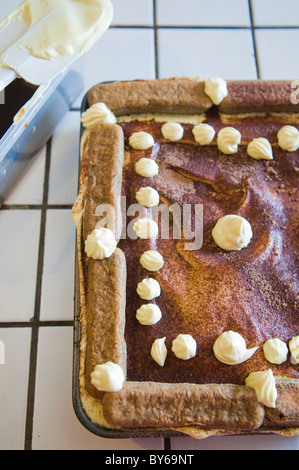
(187, 222)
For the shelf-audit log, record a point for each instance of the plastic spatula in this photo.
(11, 33)
(20, 63)
(8, 36)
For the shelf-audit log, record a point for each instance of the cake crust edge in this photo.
(267, 420)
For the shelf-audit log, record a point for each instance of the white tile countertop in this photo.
(234, 39)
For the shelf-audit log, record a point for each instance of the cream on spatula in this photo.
(42, 38)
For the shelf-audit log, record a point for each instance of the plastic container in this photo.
(30, 132)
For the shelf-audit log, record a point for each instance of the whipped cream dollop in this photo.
(184, 346)
(228, 140)
(108, 377)
(62, 28)
(146, 167)
(232, 232)
(148, 197)
(100, 243)
(275, 351)
(230, 348)
(263, 382)
(159, 351)
(152, 260)
(294, 349)
(97, 114)
(172, 131)
(260, 149)
(288, 138)
(148, 289)
(146, 228)
(141, 140)
(203, 133)
(216, 89)
(149, 314)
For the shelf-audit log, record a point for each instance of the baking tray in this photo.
(28, 134)
(80, 412)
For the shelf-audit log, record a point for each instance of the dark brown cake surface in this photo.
(208, 291)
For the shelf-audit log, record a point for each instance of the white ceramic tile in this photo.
(203, 13)
(63, 182)
(266, 442)
(56, 426)
(13, 387)
(275, 12)
(133, 12)
(19, 244)
(58, 273)
(207, 52)
(121, 54)
(277, 52)
(29, 189)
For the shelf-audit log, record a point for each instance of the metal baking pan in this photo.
(77, 402)
(28, 134)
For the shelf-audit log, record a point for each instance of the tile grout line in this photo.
(252, 27)
(35, 206)
(156, 48)
(35, 325)
(28, 324)
(229, 27)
